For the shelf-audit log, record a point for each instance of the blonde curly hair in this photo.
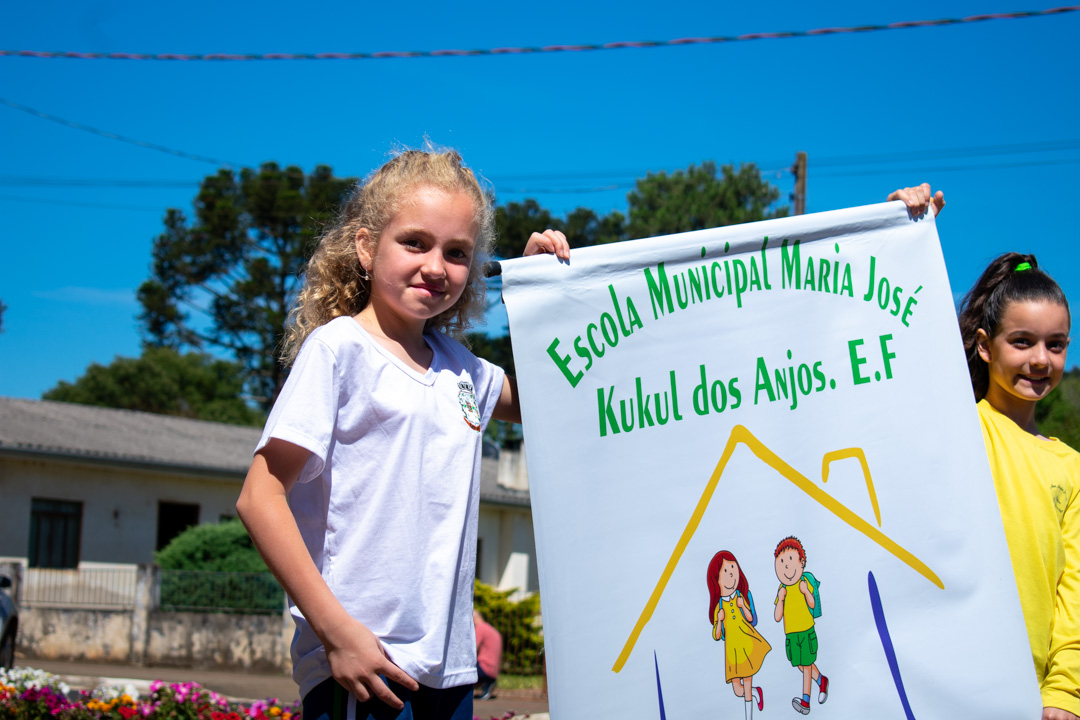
(335, 284)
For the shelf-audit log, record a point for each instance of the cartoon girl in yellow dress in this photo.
(732, 616)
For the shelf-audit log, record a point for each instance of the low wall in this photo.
(246, 642)
(144, 635)
(64, 634)
(210, 640)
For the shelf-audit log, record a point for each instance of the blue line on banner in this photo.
(886, 644)
(659, 690)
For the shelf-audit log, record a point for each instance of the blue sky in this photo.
(963, 107)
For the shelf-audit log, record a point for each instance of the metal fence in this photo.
(114, 588)
(521, 630)
(523, 651)
(88, 588)
(249, 593)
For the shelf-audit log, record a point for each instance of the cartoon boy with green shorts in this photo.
(795, 604)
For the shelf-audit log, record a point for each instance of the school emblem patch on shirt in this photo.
(1061, 499)
(467, 399)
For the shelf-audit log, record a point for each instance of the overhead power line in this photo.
(34, 180)
(79, 203)
(640, 44)
(620, 179)
(614, 175)
(564, 190)
(948, 153)
(114, 136)
(950, 168)
(625, 178)
(502, 191)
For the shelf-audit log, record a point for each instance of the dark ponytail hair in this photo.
(1006, 280)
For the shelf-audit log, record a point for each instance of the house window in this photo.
(173, 519)
(55, 532)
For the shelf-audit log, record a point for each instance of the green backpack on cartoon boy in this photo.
(814, 584)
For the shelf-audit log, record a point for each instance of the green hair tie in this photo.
(1022, 267)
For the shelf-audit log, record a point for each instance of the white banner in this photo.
(691, 401)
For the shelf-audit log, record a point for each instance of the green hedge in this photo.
(216, 568)
(228, 592)
(224, 547)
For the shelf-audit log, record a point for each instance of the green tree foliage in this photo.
(518, 623)
(516, 221)
(163, 381)
(696, 199)
(659, 204)
(216, 568)
(583, 228)
(237, 265)
(496, 350)
(1059, 414)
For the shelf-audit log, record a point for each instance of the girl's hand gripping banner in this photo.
(755, 462)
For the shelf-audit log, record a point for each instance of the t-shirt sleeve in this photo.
(487, 383)
(1061, 688)
(305, 412)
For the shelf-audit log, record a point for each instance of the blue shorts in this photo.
(329, 701)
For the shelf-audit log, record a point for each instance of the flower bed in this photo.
(27, 694)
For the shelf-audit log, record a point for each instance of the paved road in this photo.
(241, 686)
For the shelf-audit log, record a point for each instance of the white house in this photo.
(84, 486)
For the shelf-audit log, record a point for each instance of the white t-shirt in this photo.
(387, 503)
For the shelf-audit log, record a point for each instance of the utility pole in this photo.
(798, 197)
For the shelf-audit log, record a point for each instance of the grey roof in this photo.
(126, 437)
(43, 427)
(490, 489)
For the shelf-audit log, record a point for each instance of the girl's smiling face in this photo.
(729, 577)
(420, 265)
(1026, 357)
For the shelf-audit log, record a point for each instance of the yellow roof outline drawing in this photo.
(740, 434)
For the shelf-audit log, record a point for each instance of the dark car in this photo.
(9, 623)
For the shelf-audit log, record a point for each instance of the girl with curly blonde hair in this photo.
(363, 493)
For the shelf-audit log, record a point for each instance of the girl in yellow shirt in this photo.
(1015, 323)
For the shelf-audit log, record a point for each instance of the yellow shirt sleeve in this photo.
(1061, 687)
